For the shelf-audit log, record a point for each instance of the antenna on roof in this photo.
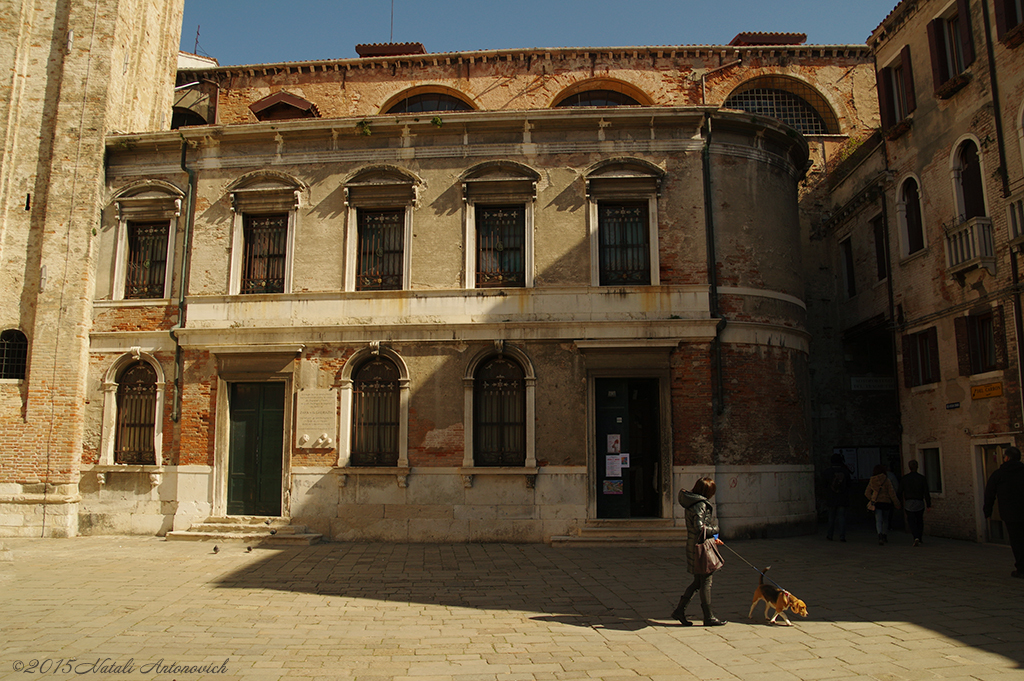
(196, 50)
(392, 39)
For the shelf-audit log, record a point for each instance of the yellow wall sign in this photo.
(981, 392)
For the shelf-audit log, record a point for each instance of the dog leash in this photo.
(760, 572)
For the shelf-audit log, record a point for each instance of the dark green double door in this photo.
(255, 448)
(627, 419)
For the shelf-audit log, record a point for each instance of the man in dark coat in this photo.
(1006, 486)
(836, 483)
(916, 497)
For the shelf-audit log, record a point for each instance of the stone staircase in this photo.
(253, 530)
(625, 532)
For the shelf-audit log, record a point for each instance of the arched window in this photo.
(968, 173)
(376, 413)
(499, 413)
(909, 212)
(429, 101)
(791, 101)
(598, 98)
(13, 354)
(136, 410)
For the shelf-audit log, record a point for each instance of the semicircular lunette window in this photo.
(429, 101)
(785, 106)
(598, 98)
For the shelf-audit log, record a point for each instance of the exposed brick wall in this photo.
(692, 392)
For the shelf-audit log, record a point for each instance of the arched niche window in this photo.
(265, 207)
(133, 406)
(283, 106)
(13, 354)
(602, 92)
(147, 213)
(967, 182)
(375, 400)
(786, 99)
(499, 200)
(427, 98)
(500, 410)
(183, 118)
(380, 202)
(623, 213)
(908, 210)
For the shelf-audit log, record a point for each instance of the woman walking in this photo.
(700, 525)
(881, 499)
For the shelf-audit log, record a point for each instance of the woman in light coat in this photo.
(883, 498)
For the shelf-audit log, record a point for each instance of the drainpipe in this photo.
(717, 399)
(186, 250)
(997, 113)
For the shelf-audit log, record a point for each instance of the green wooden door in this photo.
(627, 423)
(255, 448)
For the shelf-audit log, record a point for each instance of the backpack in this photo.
(837, 482)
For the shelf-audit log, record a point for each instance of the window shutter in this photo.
(999, 333)
(963, 346)
(908, 78)
(885, 110)
(932, 338)
(909, 360)
(937, 48)
(963, 10)
(1001, 17)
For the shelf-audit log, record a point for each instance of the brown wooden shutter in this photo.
(963, 11)
(908, 79)
(1001, 17)
(909, 359)
(937, 48)
(885, 108)
(963, 346)
(933, 352)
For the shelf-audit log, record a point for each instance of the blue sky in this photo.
(268, 31)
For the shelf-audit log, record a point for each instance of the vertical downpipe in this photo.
(717, 398)
(186, 250)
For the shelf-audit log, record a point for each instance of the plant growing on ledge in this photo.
(363, 127)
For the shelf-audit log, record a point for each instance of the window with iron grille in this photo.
(136, 411)
(921, 358)
(13, 354)
(785, 106)
(146, 268)
(598, 98)
(624, 243)
(500, 244)
(375, 414)
(265, 241)
(499, 414)
(430, 101)
(381, 250)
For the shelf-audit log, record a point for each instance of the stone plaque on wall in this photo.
(316, 418)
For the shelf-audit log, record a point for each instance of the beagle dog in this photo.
(778, 599)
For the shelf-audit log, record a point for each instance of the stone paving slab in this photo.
(146, 608)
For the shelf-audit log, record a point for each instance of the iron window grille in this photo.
(265, 250)
(13, 354)
(499, 418)
(375, 414)
(624, 243)
(787, 107)
(598, 98)
(147, 260)
(429, 101)
(136, 404)
(501, 238)
(381, 250)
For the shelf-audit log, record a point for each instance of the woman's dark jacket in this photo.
(699, 523)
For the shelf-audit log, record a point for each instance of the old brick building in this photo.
(927, 222)
(500, 295)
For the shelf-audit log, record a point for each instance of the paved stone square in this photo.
(146, 608)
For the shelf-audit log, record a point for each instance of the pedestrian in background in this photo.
(881, 499)
(836, 483)
(916, 498)
(1006, 485)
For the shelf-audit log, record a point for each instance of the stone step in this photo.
(259, 530)
(250, 528)
(264, 539)
(642, 532)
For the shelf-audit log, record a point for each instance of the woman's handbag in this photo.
(706, 558)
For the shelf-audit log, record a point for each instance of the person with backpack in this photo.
(836, 482)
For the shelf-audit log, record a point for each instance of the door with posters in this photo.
(628, 447)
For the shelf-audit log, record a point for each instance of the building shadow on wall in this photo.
(866, 590)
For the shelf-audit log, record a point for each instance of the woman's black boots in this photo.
(680, 612)
(709, 617)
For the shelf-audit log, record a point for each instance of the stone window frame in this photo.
(966, 329)
(263, 193)
(914, 375)
(593, 84)
(345, 389)
(901, 217)
(145, 201)
(381, 187)
(494, 184)
(955, 175)
(924, 464)
(469, 467)
(108, 426)
(626, 180)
